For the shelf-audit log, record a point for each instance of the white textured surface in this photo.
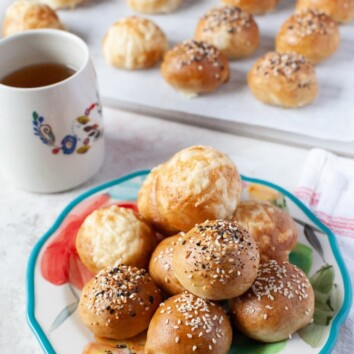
(133, 142)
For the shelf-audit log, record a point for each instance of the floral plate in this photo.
(55, 276)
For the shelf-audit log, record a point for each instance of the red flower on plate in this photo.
(60, 261)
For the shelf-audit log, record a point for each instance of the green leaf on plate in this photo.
(63, 315)
(313, 334)
(327, 302)
(302, 256)
(322, 283)
(35, 115)
(280, 202)
(244, 345)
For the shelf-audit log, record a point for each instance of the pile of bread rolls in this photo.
(285, 77)
(193, 247)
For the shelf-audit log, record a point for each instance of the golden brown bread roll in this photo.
(114, 234)
(186, 324)
(273, 229)
(119, 302)
(160, 267)
(286, 80)
(63, 4)
(255, 7)
(280, 302)
(134, 43)
(216, 260)
(194, 67)
(25, 15)
(196, 184)
(154, 6)
(310, 33)
(339, 10)
(231, 30)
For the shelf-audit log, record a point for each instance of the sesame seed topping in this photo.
(231, 18)
(217, 249)
(276, 64)
(311, 21)
(115, 288)
(196, 52)
(272, 278)
(197, 318)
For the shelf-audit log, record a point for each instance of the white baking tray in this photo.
(232, 108)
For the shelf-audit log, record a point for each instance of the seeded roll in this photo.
(280, 302)
(119, 302)
(339, 10)
(134, 43)
(154, 6)
(23, 15)
(310, 33)
(115, 234)
(231, 30)
(273, 229)
(285, 80)
(187, 324)
(195, 67)
(216, 260)
(196, 184)
(255, 7)
(160, 268)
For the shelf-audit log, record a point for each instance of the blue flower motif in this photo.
(68, 144)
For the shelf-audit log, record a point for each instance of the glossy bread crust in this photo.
(284, 80)
(160, 267)
(280, 302)
(119, 302)
(310, 33)
(195, 67)
(340, 10)
(216, 260)
(187, 324)
(255, 7)
(233, 31)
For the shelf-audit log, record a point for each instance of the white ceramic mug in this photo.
(50, 137)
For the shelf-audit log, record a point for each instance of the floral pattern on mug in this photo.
(82, 132)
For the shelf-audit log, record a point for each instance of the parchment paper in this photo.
(330, 117)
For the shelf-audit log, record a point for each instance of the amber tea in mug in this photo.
(38, 75)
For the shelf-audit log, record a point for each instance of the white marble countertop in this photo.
(133, 142)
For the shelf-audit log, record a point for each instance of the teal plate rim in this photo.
(43, 339)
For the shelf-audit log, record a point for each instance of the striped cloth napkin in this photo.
(327, 187)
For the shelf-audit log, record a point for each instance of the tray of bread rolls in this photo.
(189, 257)
(245, 88)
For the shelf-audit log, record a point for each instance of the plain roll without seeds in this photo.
(216, 260)
(160, 267)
